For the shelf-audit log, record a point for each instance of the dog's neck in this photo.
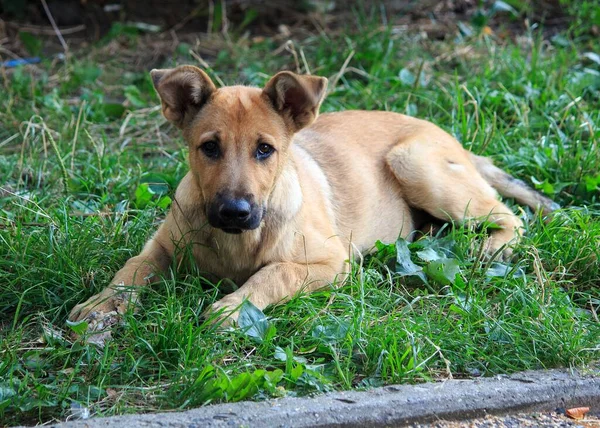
(286, 198)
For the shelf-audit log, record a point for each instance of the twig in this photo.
(65, 175)
(29, 201)
(339, 74)
(45, 31)
(56, 29)
(307, 70)
(289, 46)
(204, 64)
(224, 21)
(7, 226)
(76, 134)
(211, 16)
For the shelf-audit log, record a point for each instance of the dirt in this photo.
(81, 22)
(540, 419)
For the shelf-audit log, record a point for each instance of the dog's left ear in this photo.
(183, 91)
(297, 98)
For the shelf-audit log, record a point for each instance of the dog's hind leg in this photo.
(437, 176)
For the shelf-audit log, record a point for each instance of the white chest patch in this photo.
(315, 171)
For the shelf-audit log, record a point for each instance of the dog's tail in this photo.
(511, 187)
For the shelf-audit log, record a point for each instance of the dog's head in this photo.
(238, 136)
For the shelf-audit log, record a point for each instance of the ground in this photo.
(546, 420)
(88, 166)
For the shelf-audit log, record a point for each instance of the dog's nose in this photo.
(235, 210)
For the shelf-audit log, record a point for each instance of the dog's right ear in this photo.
(182, 91)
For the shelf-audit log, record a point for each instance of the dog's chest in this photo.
(228, 256)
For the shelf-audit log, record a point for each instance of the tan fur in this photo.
(330, 189)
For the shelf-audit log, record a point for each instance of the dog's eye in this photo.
(264, 150)
(211, 149)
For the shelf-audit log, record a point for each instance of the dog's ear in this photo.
(182, 91)
(297, 98)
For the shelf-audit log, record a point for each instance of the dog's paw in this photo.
(224, 313)
(102, 311)
(498, 249)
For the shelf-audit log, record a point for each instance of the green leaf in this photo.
(544, 186)
(502, 270)
(443, 271)
(88, 73)
(500, 6)
(592, 56)
(158, 189)
(479, 19)
(183, 49)
(404, 265)
(113, 110)
(332, 332)
(32, 44)
(134, 96)
(465, 29)
(592, 183)
(407, 77)
(253, 321)
(560, 40)
(6, 392)
(271, 379)
(164, 202)
(143, 195)
(79, 327)
(280, 354)
(249, 17)
(434, 248)
(296, 372)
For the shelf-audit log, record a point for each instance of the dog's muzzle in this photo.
(234, 215)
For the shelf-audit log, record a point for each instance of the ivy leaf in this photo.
(6, 392)
(434, 249)
(143, 195)
(253, 321)
(332, 332)
(443, 271)
(502, 270)
(404, 265)
(79, 327)
(407, 77)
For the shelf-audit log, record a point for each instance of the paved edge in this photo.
(386, 406)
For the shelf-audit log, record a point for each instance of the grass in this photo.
(87, 164)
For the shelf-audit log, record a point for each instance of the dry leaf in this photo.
(487, 31)
(577, 412)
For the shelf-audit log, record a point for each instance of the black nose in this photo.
(234, 210)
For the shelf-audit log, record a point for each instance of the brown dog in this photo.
(278, 202)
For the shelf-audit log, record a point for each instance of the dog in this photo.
(278, 198)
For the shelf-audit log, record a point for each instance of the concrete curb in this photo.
(387, 406)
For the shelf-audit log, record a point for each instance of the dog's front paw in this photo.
(225, 312)
(102, 311)
(498, 249)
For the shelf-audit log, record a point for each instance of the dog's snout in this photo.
(233, 210)
(234, 214)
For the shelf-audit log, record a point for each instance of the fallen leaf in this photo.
(577, 412)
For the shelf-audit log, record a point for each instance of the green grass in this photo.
(80, 141)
